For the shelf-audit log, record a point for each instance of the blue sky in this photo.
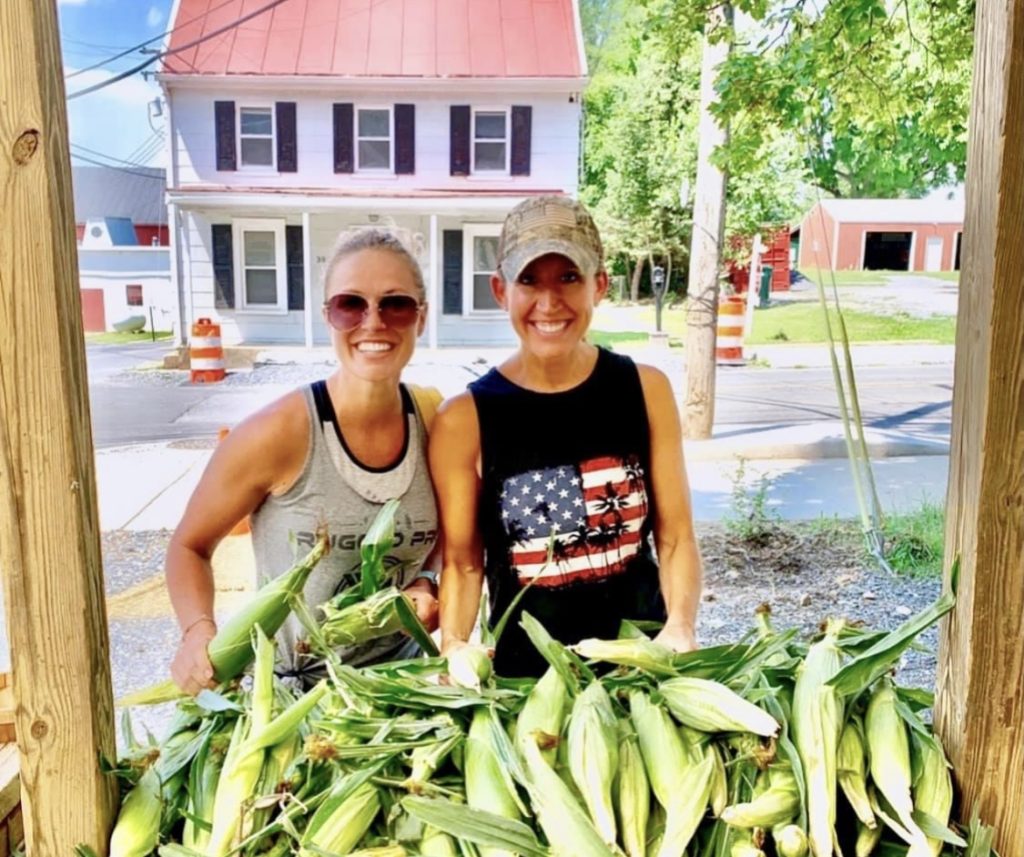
(114, 120)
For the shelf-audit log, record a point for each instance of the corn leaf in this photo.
(413, 626)
(483, 828)
(379, 539)
(864, 669)
(567, 664)
(936, 829)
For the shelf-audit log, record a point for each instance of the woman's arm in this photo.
(258, 457)
(454, 461)
(678, 555)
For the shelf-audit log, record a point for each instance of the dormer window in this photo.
(490, 141)
(256, 136)
(373, 139)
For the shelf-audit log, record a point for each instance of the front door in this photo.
(94, 319)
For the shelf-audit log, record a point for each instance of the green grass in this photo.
(803, 323)
(914, 541)
(114, 338)
(611, 338)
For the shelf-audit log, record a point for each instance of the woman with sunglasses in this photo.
(556, 470)
(330, 453)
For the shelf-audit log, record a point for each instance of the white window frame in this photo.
(238, 230)
(470, 232)
(272, 166)
(380, 171)
(473, 141)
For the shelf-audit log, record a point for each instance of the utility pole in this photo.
(706, 242)
(49, 518)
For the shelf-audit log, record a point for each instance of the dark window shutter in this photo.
(522, 122)
(344, 143)
(296, 271)
(459, 143)
(224, 121)
(405, 139)
(223, 267)
(452, 271)
(287, 140)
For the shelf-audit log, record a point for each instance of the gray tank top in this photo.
(336, 489)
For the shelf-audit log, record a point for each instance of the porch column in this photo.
(307, 279)
(174, 237)
(434, 296)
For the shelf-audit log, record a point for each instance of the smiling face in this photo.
(375, 349)
(551, 304)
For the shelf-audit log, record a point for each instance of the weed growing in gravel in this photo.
(914, 540)
(749, 519)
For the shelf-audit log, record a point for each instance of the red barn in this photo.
(881, 234)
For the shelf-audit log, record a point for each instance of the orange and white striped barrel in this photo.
(729, 341)
(205, 354)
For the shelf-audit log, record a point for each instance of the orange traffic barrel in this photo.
(206, 355)
(729, 341)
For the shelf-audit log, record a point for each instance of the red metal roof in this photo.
(378, 38)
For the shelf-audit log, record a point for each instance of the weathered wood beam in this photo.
(979, 702)
(49, 523)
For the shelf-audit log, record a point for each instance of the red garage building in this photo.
(880, 234)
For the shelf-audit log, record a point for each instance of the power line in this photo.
(125, 162)
(89, 160)
(141, 45)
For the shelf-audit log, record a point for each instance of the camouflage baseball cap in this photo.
(549, 224)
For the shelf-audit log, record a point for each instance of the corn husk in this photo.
(852, 773)
(342, 820)
(593, 741)
(543, 714)
(712, 707)
(137, 828)
(933, 789)
(632, 794)
(790, 841)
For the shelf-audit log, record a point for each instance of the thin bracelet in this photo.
(204, 618)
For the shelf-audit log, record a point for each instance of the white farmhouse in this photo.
(432, 117)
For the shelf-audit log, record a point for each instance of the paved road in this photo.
(915, 398)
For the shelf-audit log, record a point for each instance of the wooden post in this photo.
(706, 242)
(979, 703)
(49, 524)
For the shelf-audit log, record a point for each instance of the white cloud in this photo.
(154, 18)
(132, 90)
(72, 2)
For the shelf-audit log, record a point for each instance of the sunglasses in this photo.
(346, 311)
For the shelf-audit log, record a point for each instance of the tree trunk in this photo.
(979, 704)
(706, 242)
(629, 277)
(634, 286)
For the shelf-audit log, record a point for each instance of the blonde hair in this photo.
(351, 242)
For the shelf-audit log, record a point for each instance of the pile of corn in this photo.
(768, 747)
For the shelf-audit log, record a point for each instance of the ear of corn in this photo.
(593, 741)
(933, 790)
(889, 758)
(541, 717)
(235, 788)
(231, 649)
(777, 804)
(850, 770)
(662, 749)
(744, 845)
(687, 807)
(469, 667)
(435, 843)
(637, 652)
(867, 839)
(487, 787)
(817, 721)
(137, 828)
(565, 823)
(203, 777)
(341, 821)
(427, 759)
(719, 784)
(374, 617)
(790, 841)
(632, 794)
(712, 707)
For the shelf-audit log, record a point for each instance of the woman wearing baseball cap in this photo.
(558, 469)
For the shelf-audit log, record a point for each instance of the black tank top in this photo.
(566, 473)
